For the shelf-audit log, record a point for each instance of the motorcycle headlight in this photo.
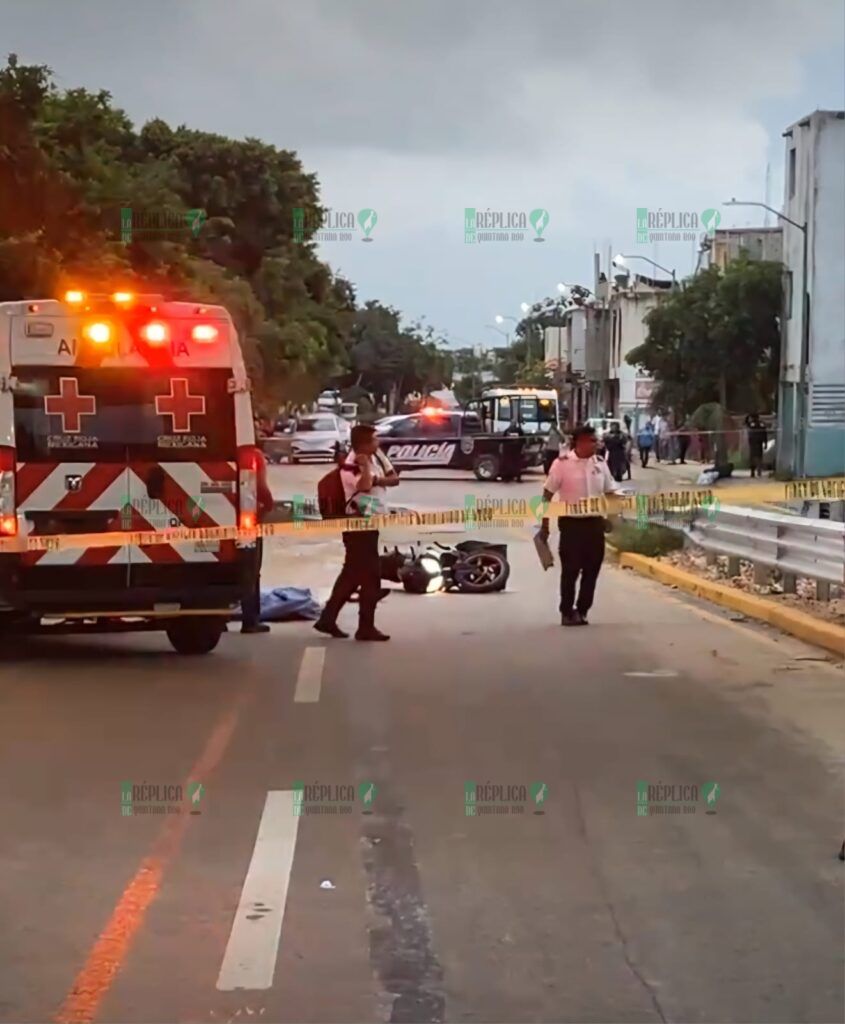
(431, 565)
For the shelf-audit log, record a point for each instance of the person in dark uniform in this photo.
(756, 442)
(251, 600)
(616, 446)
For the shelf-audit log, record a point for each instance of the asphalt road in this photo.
(417, 910)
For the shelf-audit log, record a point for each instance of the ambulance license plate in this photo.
(207, 547)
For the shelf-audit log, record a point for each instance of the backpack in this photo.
(331, 497)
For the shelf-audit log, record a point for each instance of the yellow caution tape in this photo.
(472, 516)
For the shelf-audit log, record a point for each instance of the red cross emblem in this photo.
(70, 405)
(181, 405)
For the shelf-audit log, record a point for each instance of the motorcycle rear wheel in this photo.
(481, 572)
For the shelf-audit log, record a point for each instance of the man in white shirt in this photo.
(576, 475)
(365, 474)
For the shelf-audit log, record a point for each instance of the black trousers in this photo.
(581, 554)
(644, 453)
(360, 569)
(251, 583)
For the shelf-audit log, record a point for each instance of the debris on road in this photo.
(803, 599)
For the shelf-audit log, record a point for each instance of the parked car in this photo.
(323, 435)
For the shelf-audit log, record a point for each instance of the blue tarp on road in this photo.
(283, 603)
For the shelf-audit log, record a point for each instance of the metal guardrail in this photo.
(813, 548)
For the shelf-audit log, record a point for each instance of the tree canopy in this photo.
(717, 339)
(70, 162)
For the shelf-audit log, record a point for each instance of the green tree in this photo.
(717, 339)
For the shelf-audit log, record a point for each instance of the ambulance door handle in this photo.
(155, 483)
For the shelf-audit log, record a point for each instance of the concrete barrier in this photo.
(806, 627)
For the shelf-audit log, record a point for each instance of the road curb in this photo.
(790, 620)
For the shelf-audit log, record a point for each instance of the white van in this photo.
(123, 413)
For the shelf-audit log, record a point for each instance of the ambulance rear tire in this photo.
(486, 467)
(195, 635)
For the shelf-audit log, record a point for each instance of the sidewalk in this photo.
(661, 476)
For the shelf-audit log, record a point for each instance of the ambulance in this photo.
(122, 414)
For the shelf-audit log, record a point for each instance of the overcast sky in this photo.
(419, 108)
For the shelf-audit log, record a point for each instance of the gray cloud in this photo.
(418, 109)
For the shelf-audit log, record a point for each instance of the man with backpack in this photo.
(357, 488)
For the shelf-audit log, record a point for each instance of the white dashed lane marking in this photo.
(658, 673)
(250, 958)
(310, 676)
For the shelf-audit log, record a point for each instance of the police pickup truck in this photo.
(452, 439)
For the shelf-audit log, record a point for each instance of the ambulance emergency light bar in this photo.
(156, 332)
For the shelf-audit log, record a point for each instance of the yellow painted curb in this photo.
(790, 620)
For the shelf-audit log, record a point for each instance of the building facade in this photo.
(757, 243)
(629, 388)
(811, 407)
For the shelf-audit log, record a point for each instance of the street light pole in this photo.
(620, 261)
(805, 329)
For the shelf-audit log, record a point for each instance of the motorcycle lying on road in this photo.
(471, 567)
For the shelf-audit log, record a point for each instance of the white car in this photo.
(383, 425)
(320, 436)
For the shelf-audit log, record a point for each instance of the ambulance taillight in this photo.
(8, 510)
(247, 487)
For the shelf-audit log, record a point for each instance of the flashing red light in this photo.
(432, 410)
(9, 525)
(205, 333)
(155, 333)
(247, 521)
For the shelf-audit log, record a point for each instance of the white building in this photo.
(630, 388)
(757, 243)
(811, 407)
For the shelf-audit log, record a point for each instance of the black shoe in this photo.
(371, 634)
(259, 627)
(569, 619)
(330, 629)
(581, 619)
(383, 593)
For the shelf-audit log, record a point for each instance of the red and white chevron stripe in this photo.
(41, 487)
